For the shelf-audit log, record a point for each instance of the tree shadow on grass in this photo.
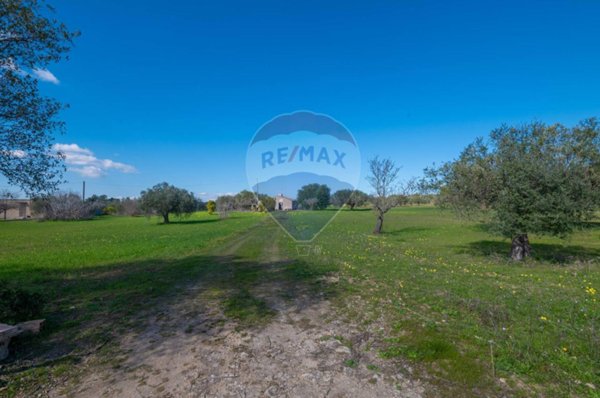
(545, 252)
(93, 307)
(489, 228)
(408, 231)
(191, 222)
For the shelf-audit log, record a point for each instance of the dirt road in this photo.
(286, 341)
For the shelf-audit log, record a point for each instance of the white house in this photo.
(283, 202)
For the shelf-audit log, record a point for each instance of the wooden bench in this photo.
(7, 332)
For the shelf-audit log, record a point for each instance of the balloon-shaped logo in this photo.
(295, 162)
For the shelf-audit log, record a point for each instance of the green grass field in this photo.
(459, 308)
(303, 225)
(96, 274)
(443, 290)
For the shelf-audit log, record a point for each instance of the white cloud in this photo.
(213, 195)
(41, 74)
(9, 64)
(88, 171)
(17, 153)
(45, 75)
(84, 162)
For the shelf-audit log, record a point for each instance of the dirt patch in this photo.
(192, 349)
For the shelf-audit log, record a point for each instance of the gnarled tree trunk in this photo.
(379, 224)
(166, 218)
(520, 247)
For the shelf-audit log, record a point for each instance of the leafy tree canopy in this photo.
(245, 200)
(267, 201)
(535, 178)
(30, 39)
(164, 199)
(314, 196)
(349, 197)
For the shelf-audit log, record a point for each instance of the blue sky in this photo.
(176, 90)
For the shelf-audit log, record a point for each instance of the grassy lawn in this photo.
(456, 306)
(96, 274)
(443, 291)
(302, 225)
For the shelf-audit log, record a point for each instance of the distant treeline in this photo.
(70, 206)
(313, 197)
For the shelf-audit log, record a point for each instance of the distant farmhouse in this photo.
(15, 209)
(283, 203)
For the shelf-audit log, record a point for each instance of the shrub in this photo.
(18, 305)
(267, 201)
(211, 206)
(110, 209)
(261, 208)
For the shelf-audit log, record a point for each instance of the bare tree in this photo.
(383, 178)
(6, 202)
(63, 206)
(225, 205)
(130, 207)
(311, 203)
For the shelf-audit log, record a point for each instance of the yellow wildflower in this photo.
(590, 290)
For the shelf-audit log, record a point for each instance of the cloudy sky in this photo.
(174, 91)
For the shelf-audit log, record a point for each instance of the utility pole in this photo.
(83, 192)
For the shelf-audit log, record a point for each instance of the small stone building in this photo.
(283, 203)
(15, 209)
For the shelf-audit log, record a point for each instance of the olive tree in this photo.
(30, 39)
(245, 200)
(314, 196)
(268, 202)
(349, 197)
(534, 178)
(311, 203)
(164, 199)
